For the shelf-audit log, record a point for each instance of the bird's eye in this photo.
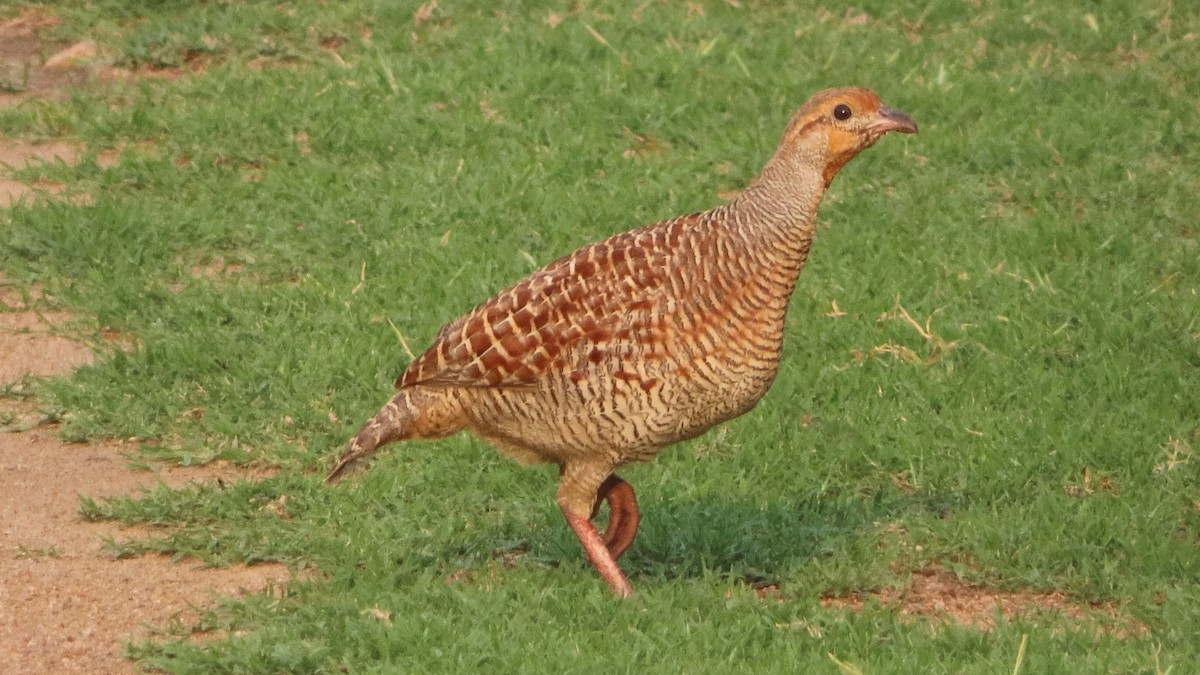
(842, 111)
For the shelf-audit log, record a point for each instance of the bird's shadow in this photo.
(737, 537)
(756, 541)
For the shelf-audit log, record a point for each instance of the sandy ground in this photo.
(66, 605)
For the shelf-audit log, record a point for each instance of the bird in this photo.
(612, 353)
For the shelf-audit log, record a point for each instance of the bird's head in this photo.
(840, 123)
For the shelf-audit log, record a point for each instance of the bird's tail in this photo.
(412, 413)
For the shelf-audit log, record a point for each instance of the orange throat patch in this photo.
(841, 146)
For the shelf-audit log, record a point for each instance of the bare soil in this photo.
(940, 595)
(25, 78)
(66, 605)
(27, 70)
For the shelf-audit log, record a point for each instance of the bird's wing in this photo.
(601, 293)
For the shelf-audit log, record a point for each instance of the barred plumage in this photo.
(652, 336)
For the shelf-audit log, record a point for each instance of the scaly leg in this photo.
(623, 514)
(577, 493)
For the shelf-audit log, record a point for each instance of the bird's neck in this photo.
(776, 215)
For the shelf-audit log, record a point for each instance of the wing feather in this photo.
(558, 315)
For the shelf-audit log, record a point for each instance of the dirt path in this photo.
(65, 605)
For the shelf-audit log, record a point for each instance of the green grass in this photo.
(1044, 222)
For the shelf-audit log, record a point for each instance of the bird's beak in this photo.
(889, 119)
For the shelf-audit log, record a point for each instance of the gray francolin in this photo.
(629, 345)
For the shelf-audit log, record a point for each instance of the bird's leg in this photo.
(623, 514)
(576, 494)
